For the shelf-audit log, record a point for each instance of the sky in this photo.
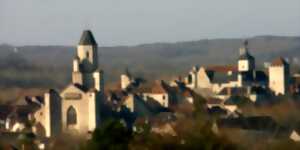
(131, 22)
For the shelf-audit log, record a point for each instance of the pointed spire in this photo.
(246, 43)
(244, 54)
(87, 38)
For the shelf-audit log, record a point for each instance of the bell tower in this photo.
(246, 64)
(85, 63)
(87, 52)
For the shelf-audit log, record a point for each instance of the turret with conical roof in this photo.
(87, 38)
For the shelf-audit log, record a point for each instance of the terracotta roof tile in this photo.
(279, 62)
(158, 88)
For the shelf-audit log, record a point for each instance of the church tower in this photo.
(85, 64)
(76, 109)
(246, 65)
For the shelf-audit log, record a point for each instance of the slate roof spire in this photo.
(244, 53)
(87, 38)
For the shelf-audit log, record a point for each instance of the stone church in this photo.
(76, 109)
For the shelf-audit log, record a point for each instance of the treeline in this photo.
(16, 71)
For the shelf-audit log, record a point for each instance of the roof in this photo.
(214, 101)
(158, 88)
(5, 110)
(19, 111)
(219, 74)
(87, 38)
(234, 91)
(225, 69)
(238, 100)
(222, 77)
(279, 62)
(296, 79)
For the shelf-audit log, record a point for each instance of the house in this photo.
(295, 136)
(159, 93)
(212, 77)
(243, 77)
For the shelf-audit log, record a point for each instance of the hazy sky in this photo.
(129, 22)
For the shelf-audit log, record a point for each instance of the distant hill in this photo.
(158, 60)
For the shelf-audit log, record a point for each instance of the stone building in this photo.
(279, 74)
(76, 109)
(217, 79)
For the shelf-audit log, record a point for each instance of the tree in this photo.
(113, 135)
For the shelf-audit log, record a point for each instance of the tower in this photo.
(126, 80)
(82, 99)
(246, 65)
(85, 64)
(192, 78)
(52, 113)
(279, 76)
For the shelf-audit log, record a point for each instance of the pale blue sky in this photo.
(130, 22)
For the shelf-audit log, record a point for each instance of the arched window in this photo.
(71, 116)
(190, 79)
(87, 55)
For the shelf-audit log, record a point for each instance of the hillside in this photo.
(157, 60)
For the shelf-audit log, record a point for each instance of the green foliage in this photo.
(113, 135)
(199, 105)
(192, 135)
(241, 101)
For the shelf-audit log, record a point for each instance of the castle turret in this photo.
(279, 76)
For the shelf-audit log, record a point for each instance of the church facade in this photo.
(76, 109)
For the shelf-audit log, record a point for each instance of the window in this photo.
(190, 79)
(164, 97)
(87, 54)
(71, 116)
(72, 96)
